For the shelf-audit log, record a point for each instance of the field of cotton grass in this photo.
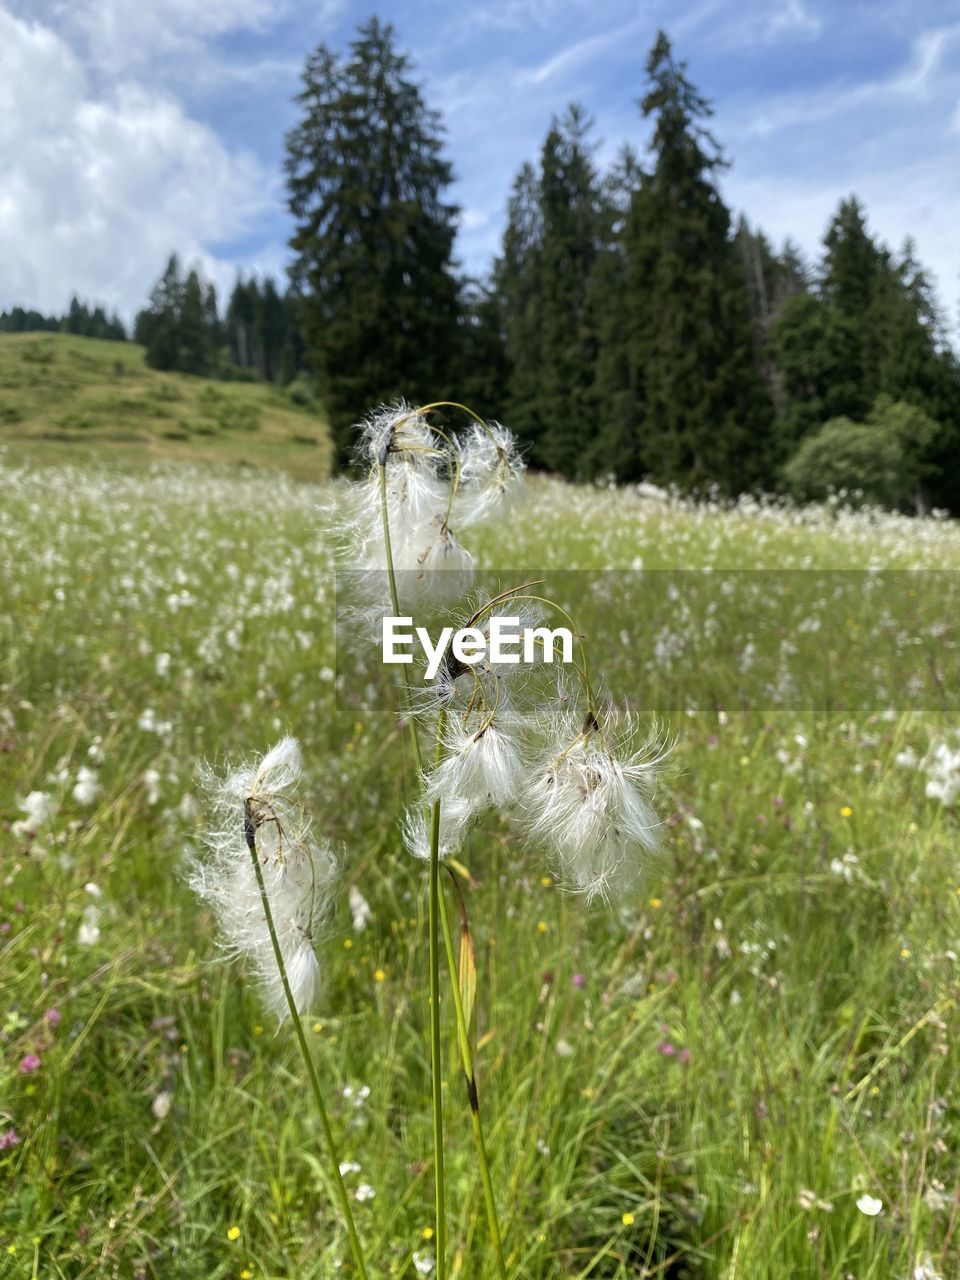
(743, 1065)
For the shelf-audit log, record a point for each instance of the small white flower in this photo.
(87, 787)
(423, 1262)
(161, 1104)
(364, 1193)
(348, 1167)
(89, 932)
(151, 781)
(38, 808)
(869, 1205)
(359, 909)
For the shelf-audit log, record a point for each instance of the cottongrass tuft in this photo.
(254, 808)
(588, 801)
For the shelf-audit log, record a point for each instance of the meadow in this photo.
(72, 397)
(744, 1069)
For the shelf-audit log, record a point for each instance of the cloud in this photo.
(119, 36)
(792, 17)
(99, 187)
(911, 82)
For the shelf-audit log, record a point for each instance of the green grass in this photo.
(64, 398)
(801, 955)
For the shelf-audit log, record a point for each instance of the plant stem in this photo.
(466, 1060)
(440, 1227)
(338, 1183)
(435, 1057)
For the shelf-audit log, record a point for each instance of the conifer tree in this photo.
(706, 418)
(616, 448)
(367, 183)
(570, 221)
(157, 325)
(517, 277)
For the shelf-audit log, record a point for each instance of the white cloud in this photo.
(792, 17)
(121, 35)
(911, 83)
(99, 187)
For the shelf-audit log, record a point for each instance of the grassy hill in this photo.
(63, 397)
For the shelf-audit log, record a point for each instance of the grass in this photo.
(758, 1036)
(63, 397)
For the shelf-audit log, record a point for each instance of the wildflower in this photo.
(380, 975)
(29, 1063)
(9, 1138)
(52, 1018)
(942, 767)
(579, 980)
(364, 1193)
(87, 787)
(233, 1233)
(846, 812)
(869, 1205)
(151, 782)
(627, 1219)
(359, 909)
(347, 1167)
(423, 1262)
(254, 811)
(89, 932)
(38, 808)
(161, 1104)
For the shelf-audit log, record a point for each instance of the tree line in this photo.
(628, 327)
(81, 318)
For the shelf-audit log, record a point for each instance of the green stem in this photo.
(338, 1183)
(435, 1056)
(440, 1228)
(466, 1061)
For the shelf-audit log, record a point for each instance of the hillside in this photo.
(64, 397)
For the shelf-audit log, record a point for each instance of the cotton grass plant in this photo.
(270, 886)
(576, 775)
(586, 785)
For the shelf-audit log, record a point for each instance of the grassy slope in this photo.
(63, 397)
(816, 1004)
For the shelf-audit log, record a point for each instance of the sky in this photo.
(130, 128)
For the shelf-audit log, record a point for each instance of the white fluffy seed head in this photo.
(589, 803)
(416, 829)
(258, 801)
(489, 466)
(481, 769)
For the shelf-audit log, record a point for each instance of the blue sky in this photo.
(132, 127)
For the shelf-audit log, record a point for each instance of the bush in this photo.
(883, 458)
(300, 391)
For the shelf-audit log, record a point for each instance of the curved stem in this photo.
(338, 1183)
(466, 1061)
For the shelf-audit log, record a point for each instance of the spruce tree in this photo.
(570, 221)
(517, 276)
(367, 183)
(706, 418)
(158, 324)
(616, 448)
